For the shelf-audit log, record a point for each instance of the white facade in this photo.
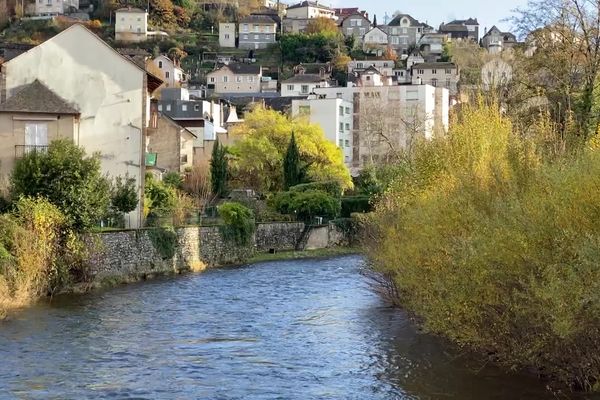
(109, 91)
(310, 9)
(172, 75)
(227, 34)
(54, 7)
(290, 88)
(385, 67)
(334, 116)
(375, 41)
(131, 25)
(496, 73)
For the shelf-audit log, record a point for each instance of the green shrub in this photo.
(333, 188)
(160, 199)
(311, 204)
(239, 222)
(355, 204)
(124, 195)
(67, 178)
(173, 179)
(283, 202)
(164, 240)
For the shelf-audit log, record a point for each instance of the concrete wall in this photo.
(125, 255)
(109, 91)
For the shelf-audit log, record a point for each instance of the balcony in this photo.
(21, 150)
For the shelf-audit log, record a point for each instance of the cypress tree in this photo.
(218, 169)
(292, 171)
(375, 20)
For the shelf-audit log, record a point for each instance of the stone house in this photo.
(375, 41)
(131, 25)
(437, 74)
(461, 29)
(109, 91)
(356, 25)
(172, 144)
(257, 32)
(227, 34)
(496, 73)
(235, 78)
(404, 32)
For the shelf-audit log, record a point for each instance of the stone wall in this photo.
(125, 255)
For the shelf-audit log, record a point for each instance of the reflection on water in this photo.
(281, 330)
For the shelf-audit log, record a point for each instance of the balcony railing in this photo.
(21, 150)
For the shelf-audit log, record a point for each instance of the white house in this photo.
(110, 92)
(302, 85)
(53, 7)
(131, 25)
(335, 116)
(375, 41)
(170, 72)
(310, 9)
(227, 34)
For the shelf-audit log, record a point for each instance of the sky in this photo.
(434, 12)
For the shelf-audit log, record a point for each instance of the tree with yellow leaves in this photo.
(263, 138)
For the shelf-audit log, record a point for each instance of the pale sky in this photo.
(434, 12)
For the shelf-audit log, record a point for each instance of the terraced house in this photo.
(257, 32)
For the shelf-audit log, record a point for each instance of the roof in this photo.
(174, 123)
(241, 68)
(470, 21)
(356, 14)
(305, 78)
(453, 28)
(398, 18)
(131, 10)
(434, 65)
(37, 98)
(379, 29)
(153, 82)
(309, 4)
(371, 69)
(313, 68)
(258, 19)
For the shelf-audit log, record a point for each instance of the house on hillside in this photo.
(356, 25)
(226, 34)
(309, 10)
(257, 32)
(404, 32)
(385, 67)
(495, 74)
(306, 78)
(437, 74)
(171, 145)
(375, 41)
(495, 41)
(131, 25)
(461, 29)
(51, 8)
(431, 45)
(235, 78)
(168, 70)
(93, 94)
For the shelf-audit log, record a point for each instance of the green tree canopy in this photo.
(292, 170)
(219, 169)
(263, 140)
(67, 178)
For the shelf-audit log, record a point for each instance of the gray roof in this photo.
(305, 78)
(242, 68)
(434, 65)
(309, 4)
(398, 18)
(470, 21)
(37, 98)
(257, 19)
(130, 9)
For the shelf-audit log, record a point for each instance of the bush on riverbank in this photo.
(39, 254)
(498, 249)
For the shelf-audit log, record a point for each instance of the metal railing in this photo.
(21, 150)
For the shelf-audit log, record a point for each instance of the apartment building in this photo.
(131, 25)
(257, 32)
(227, 34)
(437, 74)
(235, 78)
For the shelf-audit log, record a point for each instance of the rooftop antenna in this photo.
(386, 19)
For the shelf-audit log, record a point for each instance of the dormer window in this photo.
(160, 64)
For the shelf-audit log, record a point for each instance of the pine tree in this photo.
(292, 171)
(374, 20)
(218, 169)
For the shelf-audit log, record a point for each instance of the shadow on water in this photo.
(307, 329)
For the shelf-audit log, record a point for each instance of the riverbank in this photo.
(304, 254)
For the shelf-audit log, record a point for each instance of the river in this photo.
(278, 330)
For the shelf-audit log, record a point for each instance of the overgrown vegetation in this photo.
(496, 246)
(164, 240)
(239, 223)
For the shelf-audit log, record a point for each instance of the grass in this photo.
(305, 254)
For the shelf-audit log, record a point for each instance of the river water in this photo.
(279, 330)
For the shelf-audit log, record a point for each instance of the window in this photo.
(341, 127)
(347, 110)
(184, 107)
(255, 28)
(196, 107)
(405, 30)
(362, 31)
(304, 89)
(160, 64)
(168, 107)
(359, 65)
(245, 37)
(212, 79)
(434, 82)
(225, 79)
(347, 127)
(341, 143)
(368, 77)
(448, 71)
(250, 79)
(448, 82)
(434, 71)
(338, 95)
(395, 40)
(238, 79)
(347, 142)
(256, 37)
(290, 88)
(160, 107)
(420, 72)
(359, 22)
(36, 134)
(304, 110)
(245, 28)
(227, 36)
(353, 22)
(167, 74)
(341, 109)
